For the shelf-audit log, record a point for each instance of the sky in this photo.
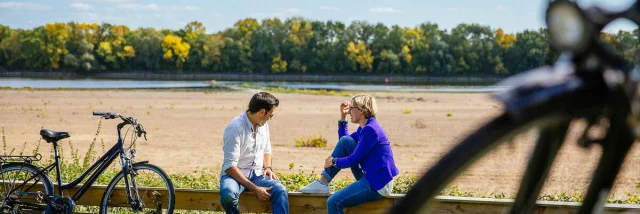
(216, 15)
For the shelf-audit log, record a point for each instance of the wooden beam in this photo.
(209, 200)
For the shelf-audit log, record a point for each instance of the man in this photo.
(247, 158)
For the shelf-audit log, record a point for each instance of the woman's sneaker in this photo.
(315, 187)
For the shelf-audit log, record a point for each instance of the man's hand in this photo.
(328, 162)
(271, 174)
(261, 193)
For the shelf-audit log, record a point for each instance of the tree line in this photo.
(296, 45)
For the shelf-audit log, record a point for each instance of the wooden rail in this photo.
(208, 200)
(190, 199)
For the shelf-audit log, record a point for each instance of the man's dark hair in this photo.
(262, 100)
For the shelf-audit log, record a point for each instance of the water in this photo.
(402, 88)
(140, 84)
(97, 84)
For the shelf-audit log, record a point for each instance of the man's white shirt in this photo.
(241, 149)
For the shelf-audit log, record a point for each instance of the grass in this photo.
(407, 111)
(295, 90)
(74, 166)
(313, 141)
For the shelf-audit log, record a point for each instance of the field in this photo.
(185, 133)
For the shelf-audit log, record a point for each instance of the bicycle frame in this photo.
(615, 144)
(563, 96)
(93, 172)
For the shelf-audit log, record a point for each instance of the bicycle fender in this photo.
(141, 162)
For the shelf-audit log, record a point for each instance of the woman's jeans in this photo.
(355, 194)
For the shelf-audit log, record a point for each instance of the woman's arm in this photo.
(369, 138)
(343, 130)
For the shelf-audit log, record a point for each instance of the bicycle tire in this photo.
(17, 196)
(462, 155)
(107, 204)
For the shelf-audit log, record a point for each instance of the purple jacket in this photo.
(373, 153)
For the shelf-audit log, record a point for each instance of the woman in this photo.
(367, 152)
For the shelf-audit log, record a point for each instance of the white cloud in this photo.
(453, 9)
(82, 6)
(24, 6)
(156, 7)
(501, 8)
(384, 10)
(330, 8)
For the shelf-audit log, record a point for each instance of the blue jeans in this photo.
(230, 191)
(355, 194)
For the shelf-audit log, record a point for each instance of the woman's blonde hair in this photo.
(366, 104)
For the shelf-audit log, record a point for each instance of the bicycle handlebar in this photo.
(128, 120)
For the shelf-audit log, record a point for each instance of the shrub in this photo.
(313, 141)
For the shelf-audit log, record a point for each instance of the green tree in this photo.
(147, 43)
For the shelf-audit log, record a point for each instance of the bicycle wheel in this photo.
(492, 134)
(155, 192)
(21, 190)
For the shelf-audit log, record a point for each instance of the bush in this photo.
(313, 141)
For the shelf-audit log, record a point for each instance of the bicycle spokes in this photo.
(147, 192)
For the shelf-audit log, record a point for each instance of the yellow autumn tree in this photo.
(246, 26)
(405, 53)
(413, 35)
(300, 33)
(56, 36)
(89, 30)
(121, 50)
(359, 56)
(113, 48)
(505, 40)
(175, 49)
(278, 65)
(106, 52)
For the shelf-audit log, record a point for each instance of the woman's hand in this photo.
(328, 162)
(344, 110)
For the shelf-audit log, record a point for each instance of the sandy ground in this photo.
(185, 132)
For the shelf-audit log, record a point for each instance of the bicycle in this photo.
(140, 186)
(588, 82)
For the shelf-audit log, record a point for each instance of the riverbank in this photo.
(376, 79)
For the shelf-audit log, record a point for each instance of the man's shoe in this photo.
(315, 187)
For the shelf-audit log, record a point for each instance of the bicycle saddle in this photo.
(53, 136)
